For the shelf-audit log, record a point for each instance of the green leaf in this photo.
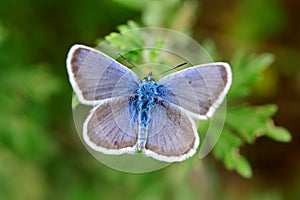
(246, 71)
(279, 134)
(128, 27)
(243, 167)
(226, 143)
(249, 122)
(244, 124)
(227, 149)
(129, 42)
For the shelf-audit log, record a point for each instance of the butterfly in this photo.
(131, 116)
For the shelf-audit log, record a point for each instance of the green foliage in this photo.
(155, 13)
(25, 140)
(131, 46)
(246, 71)
(133, 41)
(269, 18)
(244, 123)
(25, 93)
(174, 14)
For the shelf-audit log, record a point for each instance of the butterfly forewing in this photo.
(95, 76)
(198, 89)
(172, 134)
(110, 127)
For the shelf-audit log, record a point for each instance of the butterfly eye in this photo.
(159, 101)
(133, 98)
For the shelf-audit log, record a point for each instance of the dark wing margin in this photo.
(199, 89)
(95, 76)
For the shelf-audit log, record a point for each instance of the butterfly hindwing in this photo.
(95, 76)
(172, 134)
(110, 128)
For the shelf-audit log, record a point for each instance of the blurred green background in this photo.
(41, 155)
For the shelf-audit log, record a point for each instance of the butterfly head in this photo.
(149, 78)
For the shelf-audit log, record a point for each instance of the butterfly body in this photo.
(154, 118)
(146, 96)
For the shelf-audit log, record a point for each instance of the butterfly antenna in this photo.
(130, 63)
(180, 65)
(126, 59)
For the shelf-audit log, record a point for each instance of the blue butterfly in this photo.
(132, 115)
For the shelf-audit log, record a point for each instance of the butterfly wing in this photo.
(95, 76)
(199, 89)
(110, 127)
(172, 134)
